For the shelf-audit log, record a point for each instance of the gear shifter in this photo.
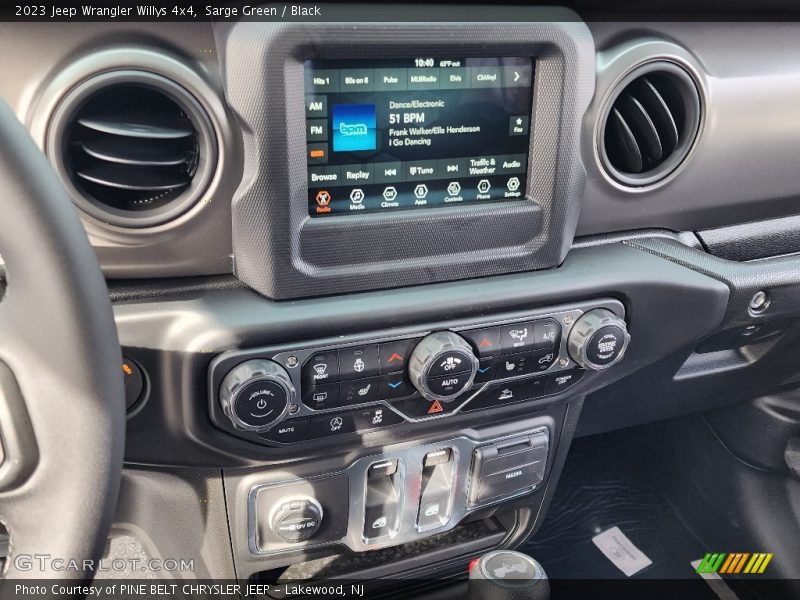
(507, 575)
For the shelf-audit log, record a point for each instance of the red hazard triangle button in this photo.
(436, 407)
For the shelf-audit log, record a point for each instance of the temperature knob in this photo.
(442, 366)
(256, 395)
(598, 339)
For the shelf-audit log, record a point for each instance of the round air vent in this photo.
(650, 125)
(135, 148)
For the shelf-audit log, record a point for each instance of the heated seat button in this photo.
(486, 341)
(359, 391)
(355, 363)
(516, 338)
(293, 430)
(526, 363)
(321, 368)
(331, 424)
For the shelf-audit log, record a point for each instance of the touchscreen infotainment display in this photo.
(424, 132)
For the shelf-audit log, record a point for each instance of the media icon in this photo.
(357, 196)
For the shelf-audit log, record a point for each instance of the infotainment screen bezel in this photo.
(282, 253)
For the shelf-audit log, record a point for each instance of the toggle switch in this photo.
(438, 468)
(382, 504)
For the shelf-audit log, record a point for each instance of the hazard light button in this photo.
(419, 408)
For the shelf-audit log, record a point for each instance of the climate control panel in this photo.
(288, 395)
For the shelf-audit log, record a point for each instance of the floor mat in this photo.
(607, 483)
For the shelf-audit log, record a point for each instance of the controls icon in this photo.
(484, 186)
(390, 193)
(454, 188)
(357, 196)
(513, 184)
(421, 191)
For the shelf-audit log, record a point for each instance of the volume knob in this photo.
(442, 366)
(598, 339)
(256, 395)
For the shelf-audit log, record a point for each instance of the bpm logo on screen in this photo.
(354, 127)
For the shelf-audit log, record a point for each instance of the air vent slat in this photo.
(133, 149)
(624, 142)
(137, 152)
(652, 122)
(645, 132)
(135, 128)
(660, 114)
(133, 178)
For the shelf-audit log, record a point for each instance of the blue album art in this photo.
(354, 127)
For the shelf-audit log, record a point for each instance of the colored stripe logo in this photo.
(735, 562)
